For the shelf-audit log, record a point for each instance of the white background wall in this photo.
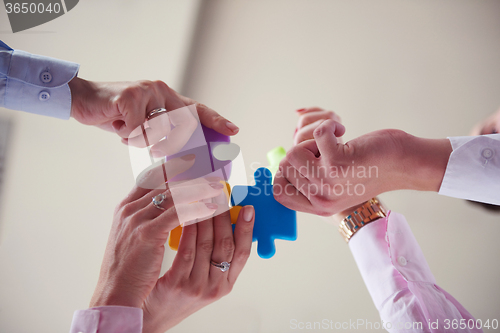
(428, 67)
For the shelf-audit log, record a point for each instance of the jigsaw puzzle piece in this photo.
(274, 157)
(200, 144)
(174, 238)
(272, 219)
(175, 235)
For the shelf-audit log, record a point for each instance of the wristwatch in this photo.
(368, 212)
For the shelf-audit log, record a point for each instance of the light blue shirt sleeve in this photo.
(34, 83)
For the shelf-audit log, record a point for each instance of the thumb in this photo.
(326, 135)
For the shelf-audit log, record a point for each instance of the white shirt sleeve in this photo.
(34, 83)
(473, 170)
(107, 319)
(401, 283)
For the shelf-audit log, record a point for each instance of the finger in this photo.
(302, 158)
(326, 137)
(184, 126)
(243, 232)
(196, 211)
(185, 194)
(286, 194)
(157, 175)
(204, 248)
(133, 103)
(176, 195)
(212, 119)
(309, 109)
(182, 265)
(306, 132)
(224, 244)
(301, 183)
(152, 131)
(310, 117)
(157, 229)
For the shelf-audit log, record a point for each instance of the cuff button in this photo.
(44, 96)
(46, 77)
(487, 153)
(402, 261)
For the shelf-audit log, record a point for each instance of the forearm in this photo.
(423, 163)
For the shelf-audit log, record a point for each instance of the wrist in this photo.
(80, 91)
(360, 216)
(103, 297)
(424, 163)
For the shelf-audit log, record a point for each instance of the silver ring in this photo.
(156, 112)
(223, 266)
(158, 200)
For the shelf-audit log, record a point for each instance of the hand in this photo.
(309, 120)
(123, 106)
(192, 282)
(136, 245)
(323, 176)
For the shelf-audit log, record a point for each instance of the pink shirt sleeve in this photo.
(401, 283)
(107, 319)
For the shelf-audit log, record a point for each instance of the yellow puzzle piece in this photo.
(175, 235)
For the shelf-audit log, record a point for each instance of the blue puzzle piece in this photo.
(272, 219)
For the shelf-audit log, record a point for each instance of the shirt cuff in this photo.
(36, 84)
(107, 319)
(388, 256)
(473, 170)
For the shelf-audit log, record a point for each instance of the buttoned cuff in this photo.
(36, 84)
(473, 170)
(107, 319)
(388, 257)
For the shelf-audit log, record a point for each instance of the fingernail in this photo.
(232, 127)
(300, 110)
(188, 157)
(213, 179)
(296, 129)
(248, 213)
(212, 205)
(157, 153)
(317, 132)
(216, 186)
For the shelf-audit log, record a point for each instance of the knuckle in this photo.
(241, 256)
(195, 292)
(127, 210)
(206, 246)
(214, 293)
(161, 85)
(131, 92)
(227, 245)
(187, 255)
(145, 84)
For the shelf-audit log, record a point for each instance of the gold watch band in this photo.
(370, 211)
